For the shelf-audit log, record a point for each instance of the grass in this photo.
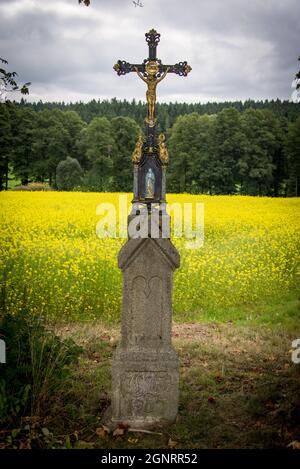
(238, 389)
(281, 311)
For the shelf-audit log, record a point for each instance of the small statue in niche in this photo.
(137, 152)
(149, 184)
(163, 151)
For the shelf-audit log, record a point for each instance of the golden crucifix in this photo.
(152, 72)
(152, 81)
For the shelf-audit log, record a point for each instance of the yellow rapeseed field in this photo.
(53, 264)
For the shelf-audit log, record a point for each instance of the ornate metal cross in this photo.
(150, 156)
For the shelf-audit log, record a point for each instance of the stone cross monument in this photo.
(145, 370)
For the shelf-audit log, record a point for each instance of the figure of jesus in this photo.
(152, 82)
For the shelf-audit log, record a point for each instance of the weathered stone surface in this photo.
(145, 366)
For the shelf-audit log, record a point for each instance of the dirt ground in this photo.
(238, 389)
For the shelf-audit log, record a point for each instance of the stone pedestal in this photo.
(145, 370)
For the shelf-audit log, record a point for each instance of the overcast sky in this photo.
(238, 49)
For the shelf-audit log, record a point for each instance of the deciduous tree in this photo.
(68, 174)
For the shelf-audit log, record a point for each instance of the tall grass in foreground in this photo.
(38, 363)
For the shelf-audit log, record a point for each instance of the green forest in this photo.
(250, 147)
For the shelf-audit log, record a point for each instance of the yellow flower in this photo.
(51, 260)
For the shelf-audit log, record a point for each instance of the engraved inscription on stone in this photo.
(144, 392)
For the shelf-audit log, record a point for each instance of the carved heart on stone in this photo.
(147, 286)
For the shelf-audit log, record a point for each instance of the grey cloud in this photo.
(238, 49)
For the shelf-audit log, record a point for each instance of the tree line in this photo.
(216, 148)
(252, 152)
(167, 113)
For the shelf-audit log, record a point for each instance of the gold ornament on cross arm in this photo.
(116, 67)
